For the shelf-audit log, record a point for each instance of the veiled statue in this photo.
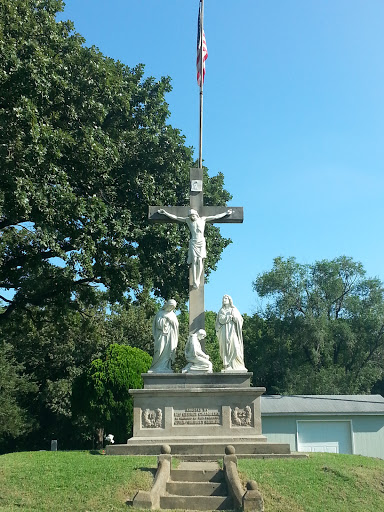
(165, 331)
(228, 326)
(198, 361)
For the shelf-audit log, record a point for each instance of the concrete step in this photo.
(202, 449)
(243, 448)
(196, 502)
(197, 488)
(217, 456)
(189, 475)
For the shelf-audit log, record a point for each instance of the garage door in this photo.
(324, 436)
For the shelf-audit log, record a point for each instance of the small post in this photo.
(54, 445)
(252, 499)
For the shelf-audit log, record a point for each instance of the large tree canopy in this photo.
(323, 329)
(84, 149)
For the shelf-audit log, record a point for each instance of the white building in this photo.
(326, 423)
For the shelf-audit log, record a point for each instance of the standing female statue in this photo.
(229, 323)
(165, 331)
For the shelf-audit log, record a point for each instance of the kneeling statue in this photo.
(198, 361)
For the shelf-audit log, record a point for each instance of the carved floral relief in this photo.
(152, 418)
(241, 417)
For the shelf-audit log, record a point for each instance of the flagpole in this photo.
(201, 84)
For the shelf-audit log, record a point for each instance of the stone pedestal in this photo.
(197, 414)
(180, 407)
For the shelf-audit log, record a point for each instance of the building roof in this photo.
(277, 405)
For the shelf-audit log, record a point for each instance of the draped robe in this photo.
(198, 361)
(165, 331)
(229, 325)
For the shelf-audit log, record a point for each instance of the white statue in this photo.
(229, 323)
(197, 248)
(198, 361)
(110, 438)
(165, 330)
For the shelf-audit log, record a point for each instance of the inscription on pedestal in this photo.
(197, 416)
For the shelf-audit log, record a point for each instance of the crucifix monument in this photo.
(195, 215)
(197, 412)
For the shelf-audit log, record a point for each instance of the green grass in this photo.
(82, 482)
(71, 481)
(321, 483)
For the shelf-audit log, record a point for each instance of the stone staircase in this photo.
(189, 489)
(199, 485)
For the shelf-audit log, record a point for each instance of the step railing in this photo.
(151, 499)
(251, 500)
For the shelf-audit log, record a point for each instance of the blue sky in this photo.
(293, 118)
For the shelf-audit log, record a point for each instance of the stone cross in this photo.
(196, 296)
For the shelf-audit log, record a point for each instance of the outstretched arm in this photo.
(218, 216)
(171, 216)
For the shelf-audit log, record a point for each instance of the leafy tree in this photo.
(102, 392)
(14, 386)
(132, 325)
(53, 347)
(85, 148)
(260, 353)
(323, 329)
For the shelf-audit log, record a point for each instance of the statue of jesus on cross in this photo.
(196, 215)
(197, 251)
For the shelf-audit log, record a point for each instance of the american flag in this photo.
(199, 52)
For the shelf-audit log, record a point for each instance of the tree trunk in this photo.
(99, 438)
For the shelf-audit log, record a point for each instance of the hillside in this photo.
(90, 482)
(322, 483)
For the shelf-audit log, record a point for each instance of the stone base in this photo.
(188, 380)
(175, 407)
(197, 414)
(202, 450)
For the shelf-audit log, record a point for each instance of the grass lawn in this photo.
(71, 481)
(322, 483)
(82, 482)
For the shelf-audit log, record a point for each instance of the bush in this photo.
(102, 392)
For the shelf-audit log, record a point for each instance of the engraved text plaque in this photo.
(196, 416)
